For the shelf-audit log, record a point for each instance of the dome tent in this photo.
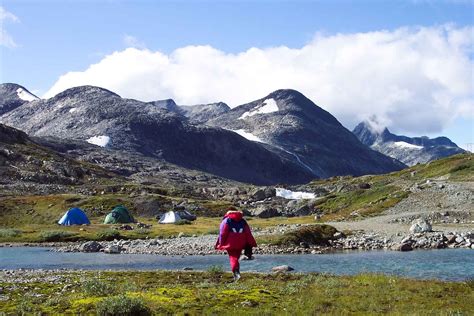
(169, 218)
(74, 216)
(119, 215)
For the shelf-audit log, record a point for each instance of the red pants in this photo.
(234, 256)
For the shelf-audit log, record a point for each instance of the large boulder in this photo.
(112, 249)
(264, 211)
(90, 246)
(263, 193)
(420, 225)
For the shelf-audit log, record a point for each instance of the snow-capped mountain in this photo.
(13, 95)
(291, 125)
(409, 150)
(103, 118)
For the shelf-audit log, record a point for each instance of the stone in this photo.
(112, 249)
(90, 246)
(265, 212)
(338, 235)
(282, 268)
(420, 225)
(403, 247)
(364, 186)
(304, 244)
(459, 239)
(451, 239)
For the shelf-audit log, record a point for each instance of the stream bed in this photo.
(442, 264)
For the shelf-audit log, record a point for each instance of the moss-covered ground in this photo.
(214, 292)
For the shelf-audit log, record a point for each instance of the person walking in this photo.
(234, 236)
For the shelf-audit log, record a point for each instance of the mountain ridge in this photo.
(410, 150)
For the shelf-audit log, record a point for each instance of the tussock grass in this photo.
(312, 235)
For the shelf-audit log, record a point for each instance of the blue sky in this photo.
(52, 38)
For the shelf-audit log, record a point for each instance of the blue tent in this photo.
(75, 216)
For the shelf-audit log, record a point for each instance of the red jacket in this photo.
(234, 233)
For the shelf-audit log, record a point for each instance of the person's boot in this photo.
(236, 275)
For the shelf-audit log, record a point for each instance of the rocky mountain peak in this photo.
(13, 95)
(85, 92)
(409, 150)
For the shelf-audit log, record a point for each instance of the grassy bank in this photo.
(34, 233)
(213, 292)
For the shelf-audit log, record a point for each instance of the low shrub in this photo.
(97, 287)
(9, 232)
(122, 305)
(312, 235)
(108, 235)
(215, 269)
(459, 168)
(57, 236)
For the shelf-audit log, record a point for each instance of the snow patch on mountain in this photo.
(407, 145)
(267, 106)
(101, 141)
(248, 136)
(291, 195)
(25, 95)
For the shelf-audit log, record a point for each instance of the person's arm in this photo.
(224, 234)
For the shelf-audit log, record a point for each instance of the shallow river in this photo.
(445, 264)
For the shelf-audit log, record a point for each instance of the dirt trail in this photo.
(454, 199)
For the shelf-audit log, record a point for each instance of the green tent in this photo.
(119, 215)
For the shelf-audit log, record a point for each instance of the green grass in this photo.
(197, 293)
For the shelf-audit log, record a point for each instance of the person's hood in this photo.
(234, 215)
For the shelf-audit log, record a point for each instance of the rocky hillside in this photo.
(103, 118)
(12, 96)
(293, 126)
(409, 150)
(24, 162)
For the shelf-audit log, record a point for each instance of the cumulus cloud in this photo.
(413, 79)
(132, 41)
(5, 38)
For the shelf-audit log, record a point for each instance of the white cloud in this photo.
(5, 38)
(414, 79)
(132, 41)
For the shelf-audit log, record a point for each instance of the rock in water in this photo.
(420, 225)
(283, 268)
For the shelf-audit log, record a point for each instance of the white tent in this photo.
(169, 218)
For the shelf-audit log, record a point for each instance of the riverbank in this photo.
(214, 292)
(204, 244)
